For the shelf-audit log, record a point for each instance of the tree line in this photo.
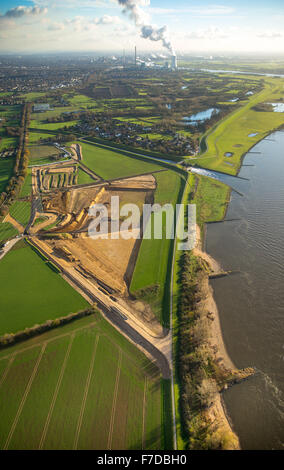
(199, 375)
(16, 181)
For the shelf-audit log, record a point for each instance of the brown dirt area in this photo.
(107, 261)
(14, 222)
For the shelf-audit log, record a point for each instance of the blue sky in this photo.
(192, 26)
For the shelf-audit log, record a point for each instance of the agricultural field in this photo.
(6, 171)
(229, 140)
(7, 143)
(40, 154)
(38, 137)
(151, 276)
(42, 294)
(110, 164)
(81, 386)
(7, 231)
(9, 117)
(52, 126)
(27, 186)
(33, 96)
(80, 101)
(21, 212)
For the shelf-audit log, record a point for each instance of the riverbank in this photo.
(250, 307)
(231, 136)
(208, 303)
(225, 373)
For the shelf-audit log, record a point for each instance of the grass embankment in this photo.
(81, 386)
(211, 199)
(231, 134)
(31, 292)
(151, 277)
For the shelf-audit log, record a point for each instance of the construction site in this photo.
(100, 268)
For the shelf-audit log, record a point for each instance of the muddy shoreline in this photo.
(217, 412)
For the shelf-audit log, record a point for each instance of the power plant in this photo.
(139, 63)
(174, 62)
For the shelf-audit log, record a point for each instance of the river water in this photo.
(251, 302)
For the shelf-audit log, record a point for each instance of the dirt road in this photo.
(8, 247)
(157, 348)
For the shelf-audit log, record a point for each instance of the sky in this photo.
(192, 26)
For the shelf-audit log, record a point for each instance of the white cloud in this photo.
(271, 34)
(212, 10)
(213, 32)
(107, 19)
(20, 11)
(56, 27)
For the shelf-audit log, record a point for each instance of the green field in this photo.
(53, 126)
(36, 137)
(211, 198)
(31, 292)
(7, 231)
(56, 111)
(6, 170)
(112, 164)
(21, 211)
(81, 386)
(83, 177)
(7, 142)
(33, 96)
(27, 186)
(152, 269)
(232, 133)
(44, 153)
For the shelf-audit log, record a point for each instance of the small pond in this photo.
(278, 107)
(201, 117)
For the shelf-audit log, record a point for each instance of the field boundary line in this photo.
(129, 357)
(114, 401)
(7, 368)
(48, 340)
(54, 398)
(86, 391)
(143, 418)
(23, 401)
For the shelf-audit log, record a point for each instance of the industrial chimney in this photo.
(174, 62)
(135, 55)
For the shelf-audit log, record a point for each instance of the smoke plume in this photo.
(133, 9)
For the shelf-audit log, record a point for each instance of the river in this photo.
(251, 302)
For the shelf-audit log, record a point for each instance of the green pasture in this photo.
(82, 386)
(7, 231)
(151, 277)
(6, 171)
(21, 211)
(231, 134)
(31, 292)
(112, 164)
